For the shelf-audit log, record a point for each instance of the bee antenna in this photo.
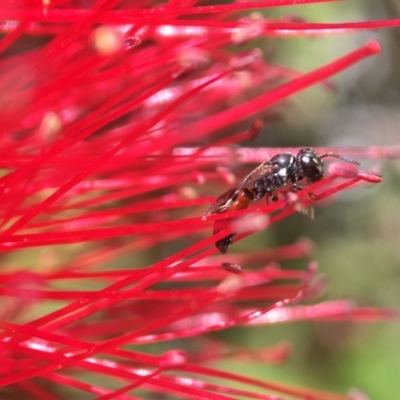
(350, 160)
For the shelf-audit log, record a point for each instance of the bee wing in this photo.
(262, 170)
(223, 202)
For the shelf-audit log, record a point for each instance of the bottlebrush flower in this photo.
(116, 117)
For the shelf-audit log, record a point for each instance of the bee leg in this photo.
(313, 196)
(259, 195)
(295, 187)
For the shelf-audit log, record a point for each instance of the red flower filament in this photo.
(115, 117)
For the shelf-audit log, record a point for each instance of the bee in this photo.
(266, 180)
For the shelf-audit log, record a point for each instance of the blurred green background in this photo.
(357, 237)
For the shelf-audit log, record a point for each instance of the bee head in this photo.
(310, 164)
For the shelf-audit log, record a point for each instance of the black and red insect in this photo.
(266, 180)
